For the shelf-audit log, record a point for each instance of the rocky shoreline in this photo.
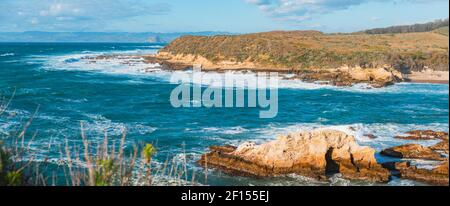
(343, 76)
(377, 77)
(322, 153)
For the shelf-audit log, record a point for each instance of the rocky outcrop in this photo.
(315, 154)
(348, 76)
(437, 176)
(441, 146)
(412, 151)
(424, 135)
(377, 77)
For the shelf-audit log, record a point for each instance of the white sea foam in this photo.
(5, 127)
(150, 47)
(125, 65)
(402, 182)
(424, 164)
(99, 124)
(216, 79)
(225, 130)
(7, 54)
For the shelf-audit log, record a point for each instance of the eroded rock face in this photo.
(436, 176)
(441, 146)
(315, 154)
(378, 77)
(413, 151)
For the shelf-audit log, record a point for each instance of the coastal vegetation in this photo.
(426, 27)
(305, 50)
(95, 164)
(104, 163)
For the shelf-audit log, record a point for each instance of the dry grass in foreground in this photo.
(104, 163)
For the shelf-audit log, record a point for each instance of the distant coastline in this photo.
(98, 37)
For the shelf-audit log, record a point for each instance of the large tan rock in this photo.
(314, 154)
(413, 151)
(377, 77)
(382, 74)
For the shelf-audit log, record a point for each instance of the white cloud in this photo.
(77, 15)
(34, 21)
(376, 18)
(301, 10)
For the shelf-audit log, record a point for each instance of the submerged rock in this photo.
(371, 136)
(413, 151)
(316, 154)
(414, 138)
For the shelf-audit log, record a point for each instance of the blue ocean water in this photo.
(120, 93)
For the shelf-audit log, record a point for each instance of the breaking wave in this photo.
(7, 54)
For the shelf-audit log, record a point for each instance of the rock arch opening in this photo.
(332, 167)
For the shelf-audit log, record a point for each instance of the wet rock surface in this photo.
(436, 176)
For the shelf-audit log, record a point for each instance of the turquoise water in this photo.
(113, 94)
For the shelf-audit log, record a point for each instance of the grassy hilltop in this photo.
(299, 50)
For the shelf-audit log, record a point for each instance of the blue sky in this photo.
(240, 16)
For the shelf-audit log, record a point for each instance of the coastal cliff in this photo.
(313, 55)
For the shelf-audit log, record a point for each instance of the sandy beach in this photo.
(438, 77)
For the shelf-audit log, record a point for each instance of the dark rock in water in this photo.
(424, 135)
(413, 138)
(380, 84)
(342, 84)
(371, 136)
(315, 154)
(413, 151)
(396, 165)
